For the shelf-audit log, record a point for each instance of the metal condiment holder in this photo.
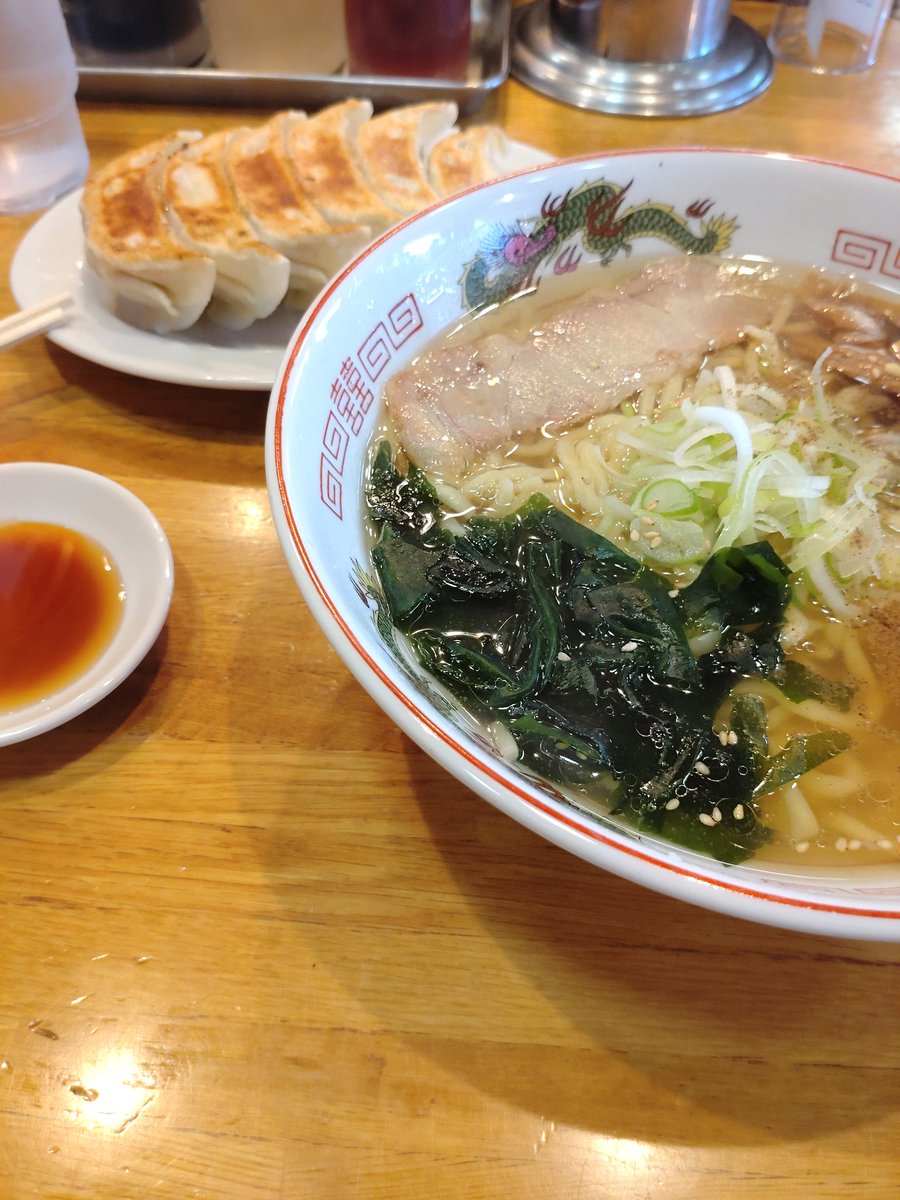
(639, 57)
(207, 84)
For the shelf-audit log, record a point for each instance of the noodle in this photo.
(761, 442)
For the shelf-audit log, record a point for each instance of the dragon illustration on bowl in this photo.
(591, 218)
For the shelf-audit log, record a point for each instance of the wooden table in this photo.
(257, 945)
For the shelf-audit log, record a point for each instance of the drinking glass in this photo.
(43, 154)
(830, 37)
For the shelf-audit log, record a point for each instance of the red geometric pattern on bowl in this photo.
(866, 252)
(352, 396)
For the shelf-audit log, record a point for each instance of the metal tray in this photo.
(208, 85)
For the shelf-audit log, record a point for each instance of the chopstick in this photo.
(34, 320)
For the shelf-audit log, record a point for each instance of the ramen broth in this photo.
(848, 809)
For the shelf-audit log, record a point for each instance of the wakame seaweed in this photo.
(584, 654)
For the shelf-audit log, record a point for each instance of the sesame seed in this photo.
(706, 819)
(884, 844)
(672, 804)
(738, 812)
(802, 847)
(655, 541)
(717, 814)
(854, 844)
(701, 768)
(840, 844)
(563, 657)
(653, 504)
(723, 736)
(673, 593)
(635, 535)
(732, 738)
(630, 646)
(647, 521)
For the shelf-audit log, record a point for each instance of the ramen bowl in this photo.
(424, 277)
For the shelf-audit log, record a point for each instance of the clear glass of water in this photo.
(830, 37)
(43, 153)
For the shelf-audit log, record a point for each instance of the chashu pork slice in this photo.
(149, 277)
(325, 160)
(282, 215)
(455, 403)
(394, 147)
(251, 277)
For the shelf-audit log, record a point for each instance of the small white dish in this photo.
(136, 543)
(50, 261)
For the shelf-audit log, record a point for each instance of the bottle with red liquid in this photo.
(414, 38)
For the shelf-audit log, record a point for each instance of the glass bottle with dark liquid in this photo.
(414, 38)
(160, 33)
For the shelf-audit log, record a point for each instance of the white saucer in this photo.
(132, 537)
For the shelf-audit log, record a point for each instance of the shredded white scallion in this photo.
(754, 461)
(791, 473)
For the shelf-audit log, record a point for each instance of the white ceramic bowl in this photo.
(381, 311)
(127, 530)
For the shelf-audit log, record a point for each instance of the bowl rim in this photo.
(691, 884)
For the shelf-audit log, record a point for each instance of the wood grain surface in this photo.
(256, 945)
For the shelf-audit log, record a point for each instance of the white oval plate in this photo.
(134, 540)
(50, 262)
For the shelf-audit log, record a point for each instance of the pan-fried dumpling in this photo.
(281, 213)
(393, 148)
(467, 157)
(251, 278)
(323, 155)
(149, 277)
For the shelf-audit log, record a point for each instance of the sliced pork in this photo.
(457, 402)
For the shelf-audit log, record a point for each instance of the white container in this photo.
(830, 37)
(286, 37)
(387, 306)
(42, 149)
